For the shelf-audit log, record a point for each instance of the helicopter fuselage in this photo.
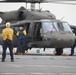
(47, 34)
(42, 27)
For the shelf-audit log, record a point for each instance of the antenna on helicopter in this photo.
(62, 18)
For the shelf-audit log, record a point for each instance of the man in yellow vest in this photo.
(7, 35)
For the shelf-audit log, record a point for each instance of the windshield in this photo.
(62, 26)
(47, 26)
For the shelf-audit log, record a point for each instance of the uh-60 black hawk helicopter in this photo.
(43, 29)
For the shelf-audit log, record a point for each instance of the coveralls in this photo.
(7, 35)
(21, 41)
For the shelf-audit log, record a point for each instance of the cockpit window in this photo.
(59, 26)
(47, 26)
(66, 27)
(62, 26)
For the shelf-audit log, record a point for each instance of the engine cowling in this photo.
(13, 15)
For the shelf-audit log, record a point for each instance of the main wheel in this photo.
(59, 51)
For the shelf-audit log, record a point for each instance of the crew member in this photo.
(21, 40)
(73, 47)
(7, 35)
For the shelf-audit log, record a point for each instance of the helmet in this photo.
(8, 24)
(21, 28)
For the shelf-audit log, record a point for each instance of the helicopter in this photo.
(42, 27)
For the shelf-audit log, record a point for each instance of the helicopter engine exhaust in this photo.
(21, 15)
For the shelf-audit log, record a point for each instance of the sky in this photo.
(63, 12)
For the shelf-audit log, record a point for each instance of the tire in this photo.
(59, 51)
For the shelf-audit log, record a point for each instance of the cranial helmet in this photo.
(8, 24)
(21, 28)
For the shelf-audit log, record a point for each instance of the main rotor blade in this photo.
(70, 2)
(34, 1)
(58, 2)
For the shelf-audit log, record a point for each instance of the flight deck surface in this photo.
(39, 64)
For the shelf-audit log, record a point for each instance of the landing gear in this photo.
(44, 49)
(59, 51)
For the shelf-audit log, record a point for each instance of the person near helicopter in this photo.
(73, 47)
(21, 34)
(7, 35)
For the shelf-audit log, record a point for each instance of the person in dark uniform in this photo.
(73, 47)
(21, 40)
(7, 35)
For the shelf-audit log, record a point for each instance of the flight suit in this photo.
(7, 35)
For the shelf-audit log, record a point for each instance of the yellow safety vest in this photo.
(24, 32)
(7, 33)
